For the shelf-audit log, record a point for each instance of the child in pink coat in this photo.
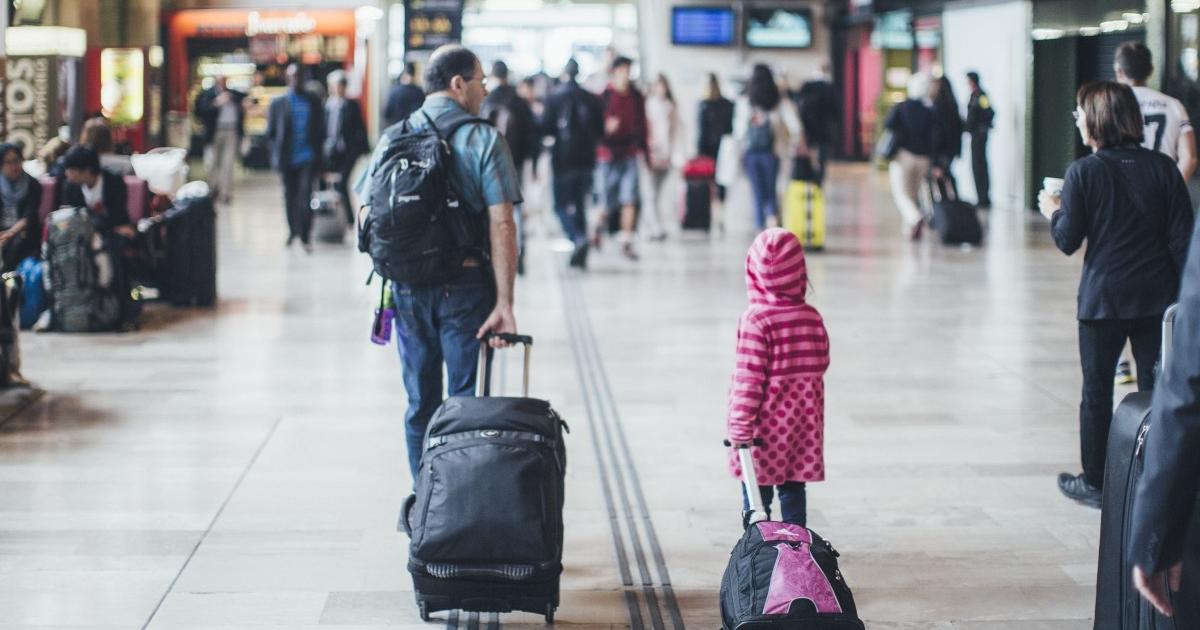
(778, 391)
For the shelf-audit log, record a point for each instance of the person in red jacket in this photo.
(624, 138)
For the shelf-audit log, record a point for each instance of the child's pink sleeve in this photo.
(749, 381)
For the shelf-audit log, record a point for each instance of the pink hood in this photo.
(775, 269)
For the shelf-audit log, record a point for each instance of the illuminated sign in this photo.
(27, 99)
(256, 24)
(432, 23)
(122, 84)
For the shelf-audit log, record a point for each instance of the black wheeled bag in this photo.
(190, 277)
(1119, 606)
(486, 517)
(782, 576)
(955, 220)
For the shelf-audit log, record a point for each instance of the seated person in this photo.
(97, 135)
(20, 196)
(102, 192)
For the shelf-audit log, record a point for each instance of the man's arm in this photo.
(1185, 151)
(503, 232)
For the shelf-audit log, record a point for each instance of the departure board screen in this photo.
(703, 26)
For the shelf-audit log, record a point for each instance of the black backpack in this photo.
(574, 139)
(417, 231)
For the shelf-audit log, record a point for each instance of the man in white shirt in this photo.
(1168, 129)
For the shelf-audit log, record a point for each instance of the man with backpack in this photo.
(442, 183)
(574, 117)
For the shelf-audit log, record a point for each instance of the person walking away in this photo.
(223, 113)
(297, 132)
(948, 133)
(818, 107)
(404, 98)
(911, 123)
(768, 130)
(625, 136)
(512, 117)
(441, 322)
(574, 118)
(20, 197)
(662, 121)
(979, 124)
(1132, 206)
(1167, 129)
(1166, 493)
(778, 391)
(345, 138)
(715, 121)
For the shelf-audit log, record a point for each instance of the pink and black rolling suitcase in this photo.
(782, 576)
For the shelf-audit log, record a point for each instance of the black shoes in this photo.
(579, 256)
(1075, 488)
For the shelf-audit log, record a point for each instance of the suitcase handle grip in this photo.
(483, 380)
(750, 480)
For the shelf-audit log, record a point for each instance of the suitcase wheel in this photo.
(423, 610)
(550, 613)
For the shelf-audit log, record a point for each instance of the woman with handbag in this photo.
(908, 142)
(1132, 207)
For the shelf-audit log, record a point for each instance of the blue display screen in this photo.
(702, 26)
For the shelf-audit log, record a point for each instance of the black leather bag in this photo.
(955, 220)
(486, 517)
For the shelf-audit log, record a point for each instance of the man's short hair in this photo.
(447, 62)
(82, 157)
(621, 62)
(973, 77)
(500, 70)
(571, 68)
(1135, 61)
(338, 77)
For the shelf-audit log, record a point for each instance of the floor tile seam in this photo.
(587, 391)
(212, 523)
(605, 393)
(1026, 379)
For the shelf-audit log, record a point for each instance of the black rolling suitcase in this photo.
(955, 220)
(782, 576)
(486, 516)
(1118, 604)
(697, 205)
(190, 277)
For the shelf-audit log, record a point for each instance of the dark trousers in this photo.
(297, 194)
(1100, 345)
(435, 325)
(979, 167)
(571, 187)
(343, 188)
(793, 501)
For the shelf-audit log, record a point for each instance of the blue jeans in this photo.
(762, 168)
(435, 325)
(793, 501)
(571, 187)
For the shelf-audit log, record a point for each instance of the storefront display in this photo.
(44, 89)
(122, 85)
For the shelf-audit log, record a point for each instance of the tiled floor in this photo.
(244, 468)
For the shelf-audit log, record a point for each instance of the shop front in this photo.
(251, 49)
(44, 88)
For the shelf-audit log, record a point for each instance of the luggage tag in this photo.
(381, 328)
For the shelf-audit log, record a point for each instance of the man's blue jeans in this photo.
(435, 325)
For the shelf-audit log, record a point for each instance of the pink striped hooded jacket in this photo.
(778, 391)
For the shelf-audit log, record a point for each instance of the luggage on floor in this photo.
(33, 299)
(83, 274)
(190, 273)
(782, 575)
(329, 217)
(955, 220)
(804, 213)
(486, 516)
(697, 204)
(1118, 604)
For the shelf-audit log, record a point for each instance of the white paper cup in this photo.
(1053, 185)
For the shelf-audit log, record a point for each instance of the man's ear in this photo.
(457, 83)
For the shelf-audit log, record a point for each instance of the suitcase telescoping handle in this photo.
(1168, 331)
(483, 382)
(750, 480)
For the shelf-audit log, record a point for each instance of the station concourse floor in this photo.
(244, 468)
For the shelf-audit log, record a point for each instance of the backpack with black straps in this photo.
(417, 231)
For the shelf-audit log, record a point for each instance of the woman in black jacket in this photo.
(716, 122)
(947, 129)
(1132, 207)
(20, 196)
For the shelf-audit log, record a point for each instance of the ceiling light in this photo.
(1048, 33)
(1089, 31)
(1113, 26)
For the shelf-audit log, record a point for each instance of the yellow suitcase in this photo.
(804, 213)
